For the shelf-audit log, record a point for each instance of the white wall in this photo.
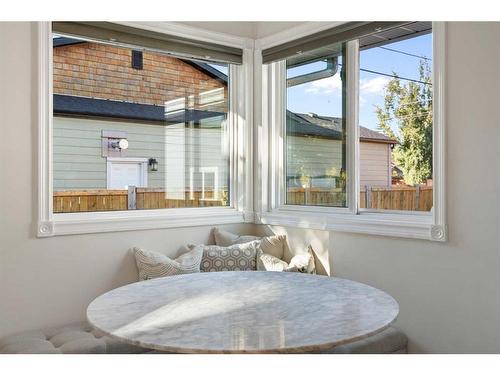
(47, 282)
(448, 292)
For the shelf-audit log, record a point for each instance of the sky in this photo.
(323, 97)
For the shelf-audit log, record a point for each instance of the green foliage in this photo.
(409, 105)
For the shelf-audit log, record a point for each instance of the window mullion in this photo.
(352, 99)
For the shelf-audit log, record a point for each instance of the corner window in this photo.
(139, 129)
(148, 135)
(359, 147)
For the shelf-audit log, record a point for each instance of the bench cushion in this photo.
(390, 341)
(77, 338)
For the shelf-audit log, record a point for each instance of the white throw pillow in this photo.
(152, 265)
(304, 263)
(274, 245)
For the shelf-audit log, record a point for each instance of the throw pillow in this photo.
(225, 238)
(239, 257)
(152, 265)
(304, 263)
(274, 245)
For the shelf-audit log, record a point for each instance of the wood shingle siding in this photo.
(103, 71)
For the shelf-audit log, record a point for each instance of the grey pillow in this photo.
(240, 257)
(152, 265)
(274, 245)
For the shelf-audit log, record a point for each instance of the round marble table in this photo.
(242, 312)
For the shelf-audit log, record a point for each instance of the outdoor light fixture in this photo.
(121, 144)
(153, 164)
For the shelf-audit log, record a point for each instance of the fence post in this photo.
(132, 195)
(368, 197)
(417, 197)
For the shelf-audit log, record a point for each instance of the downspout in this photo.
(330, 70)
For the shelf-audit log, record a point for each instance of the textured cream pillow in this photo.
(240, 257)
(274, 245)
(304, 263)
(152, 265)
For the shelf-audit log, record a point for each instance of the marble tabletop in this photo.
(242, 312)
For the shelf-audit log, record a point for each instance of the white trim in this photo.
(390, 223)
(352, 97)
(439, 230)
(239, 123)
(116, 221)
(296, 32)
(142, 161)
(45, 225)
(178, 29)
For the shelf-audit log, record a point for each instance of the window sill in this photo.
(116, 221)
(406, 225)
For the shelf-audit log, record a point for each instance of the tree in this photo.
(409, 107)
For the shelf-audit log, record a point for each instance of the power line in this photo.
(395, 76)
(406, 53)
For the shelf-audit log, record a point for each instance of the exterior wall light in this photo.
(153, 164)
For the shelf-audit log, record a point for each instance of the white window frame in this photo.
(269, 149)
(142, 161)
(239, 117)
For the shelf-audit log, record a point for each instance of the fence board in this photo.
(394, 198)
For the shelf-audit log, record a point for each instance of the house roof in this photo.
(329, 127)
(298, 124)
(90, 107)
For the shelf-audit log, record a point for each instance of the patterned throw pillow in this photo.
(240, 257)
(152, 265)
(274, 245)
(304, 263)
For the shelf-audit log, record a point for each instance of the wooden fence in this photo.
(132, 199)
(405, 198)
(417, 198)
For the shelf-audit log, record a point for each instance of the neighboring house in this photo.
(103, 94)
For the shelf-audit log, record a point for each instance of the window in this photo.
(395, 117)
(138, 128)
(386, 102)
(111, 118)
(316, 128)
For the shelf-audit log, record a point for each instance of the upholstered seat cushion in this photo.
(78, 338)
(390, 341)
